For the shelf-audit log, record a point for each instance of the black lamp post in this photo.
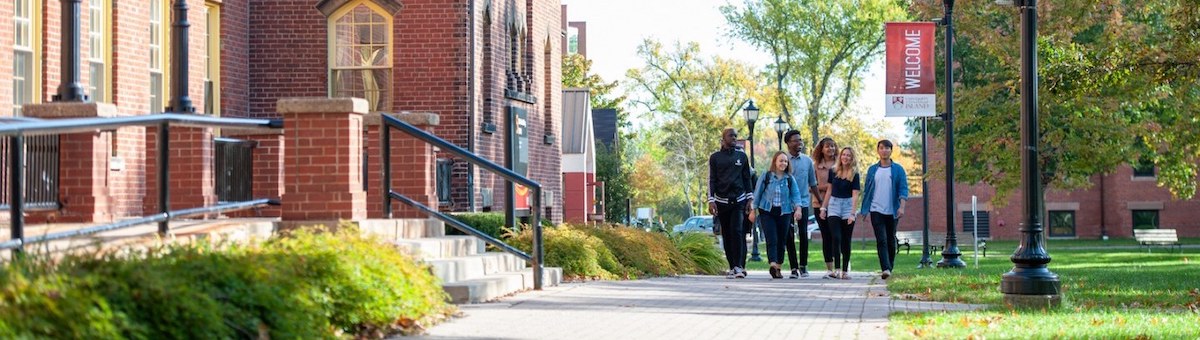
(950, 253)
(180, 102)
(926, 262)
(780, 127)
(1030, 283)
(70, 90)
(751, 112)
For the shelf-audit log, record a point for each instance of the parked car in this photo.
(695, 224)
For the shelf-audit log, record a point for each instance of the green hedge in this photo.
(491, 223)
(613, 251)
(307, 285)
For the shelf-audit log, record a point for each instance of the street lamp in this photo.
(950, 253)
(780, 127)
(751, 113)
(1030, 283)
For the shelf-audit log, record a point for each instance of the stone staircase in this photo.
(469, 273)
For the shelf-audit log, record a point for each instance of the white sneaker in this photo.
(730, 274)
(741, 273)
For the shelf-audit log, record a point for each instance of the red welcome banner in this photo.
(909, 90)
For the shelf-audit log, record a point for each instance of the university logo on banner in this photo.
(909, 90)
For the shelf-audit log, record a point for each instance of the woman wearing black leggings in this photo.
(839, 209)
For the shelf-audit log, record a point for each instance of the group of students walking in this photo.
(828, 184)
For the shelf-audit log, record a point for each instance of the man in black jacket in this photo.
(729, 198)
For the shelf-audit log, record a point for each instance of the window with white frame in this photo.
(97, 50)
(23, 60)
(157, 56)
(360, 54)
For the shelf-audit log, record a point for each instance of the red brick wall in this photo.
(1107, 202)
(192, 183)
(287, 54)
(235, 59)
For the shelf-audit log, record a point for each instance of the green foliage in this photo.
(580, 255)
(307, 285)
(1118, 82)
(643, 253)
(577, 72)
(819, 49)
(699, 248)
(491, 223)
(611, 170)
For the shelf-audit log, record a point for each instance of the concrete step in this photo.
(498, 285)
(454, 269)
(430, 248)
(403, 228)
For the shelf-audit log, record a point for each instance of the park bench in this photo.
(1157, 237)
(937, 241)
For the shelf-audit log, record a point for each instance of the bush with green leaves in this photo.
(613, 251)
(581, 256)
(308, 285)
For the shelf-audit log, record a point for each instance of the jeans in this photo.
(885, 239)
(731, 216)
(776, 227)
(799, 231)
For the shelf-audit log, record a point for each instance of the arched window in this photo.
(360, 54)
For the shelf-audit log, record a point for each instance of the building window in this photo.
(444, 167)
(1061, 222)
(968, 223)
(27, 33)
(360, 54)
(158, 58)
(1145, 219)
(1143, 168)
(572, 40)
(98, 46)
(212, 59)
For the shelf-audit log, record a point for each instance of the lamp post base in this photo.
(1018, 301)
(951, 258)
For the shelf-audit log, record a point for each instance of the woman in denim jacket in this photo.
(776, 197)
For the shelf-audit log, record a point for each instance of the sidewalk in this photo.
(690, 307)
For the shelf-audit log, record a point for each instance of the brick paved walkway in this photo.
(690, 307)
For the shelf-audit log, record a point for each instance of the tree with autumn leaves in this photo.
(1118, 85)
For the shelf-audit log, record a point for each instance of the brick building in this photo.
(472, 63)
(1114, 205)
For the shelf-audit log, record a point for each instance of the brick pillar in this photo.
(268, 167)
(83, 165)
(414, 170)
(322, 180)
(192, 182)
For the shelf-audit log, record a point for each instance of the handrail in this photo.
(390, 122)
(17, 132)
(77, 125)
(233, 206)
(462, 226)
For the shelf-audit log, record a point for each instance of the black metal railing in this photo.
(235, 169)
(41, 169)
(535, 259)
(18, 132)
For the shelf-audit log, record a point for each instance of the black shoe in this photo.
(795, 274)
(775, 273)
(803, 272)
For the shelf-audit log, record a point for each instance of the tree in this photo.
(692, 99)
(1119, 82)
(819, 49)
(611, 167)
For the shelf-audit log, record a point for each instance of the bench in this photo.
(1157, 237)
(937, 240)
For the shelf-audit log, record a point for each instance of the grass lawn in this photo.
(1119, 292)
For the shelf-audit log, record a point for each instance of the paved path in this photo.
(690, 307)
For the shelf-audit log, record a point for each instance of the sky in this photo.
(616, 27)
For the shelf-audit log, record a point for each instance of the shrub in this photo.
(699, 248)
(306, 285)
(644, 253)
(491, 223)
(581, 256)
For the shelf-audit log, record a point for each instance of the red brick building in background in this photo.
(470, 62)
(1113, 206)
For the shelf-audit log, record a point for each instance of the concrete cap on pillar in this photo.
(414, 118)
(322, 105)
(69, 110)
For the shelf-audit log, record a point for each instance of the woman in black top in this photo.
(839, 209)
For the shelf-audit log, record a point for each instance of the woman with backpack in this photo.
(776, 198)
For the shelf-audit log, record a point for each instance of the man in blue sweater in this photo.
(886, 191)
